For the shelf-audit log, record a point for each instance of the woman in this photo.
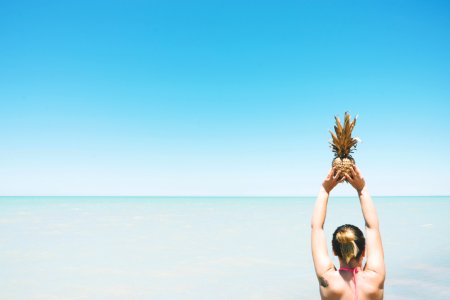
(352, 280)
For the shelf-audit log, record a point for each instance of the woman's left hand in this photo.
(333, 178)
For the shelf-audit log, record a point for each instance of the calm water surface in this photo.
(205, 248)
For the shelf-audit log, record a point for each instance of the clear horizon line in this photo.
(219, 196)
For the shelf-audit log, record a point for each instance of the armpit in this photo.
(323, 282)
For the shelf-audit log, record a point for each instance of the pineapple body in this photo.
(343, 164)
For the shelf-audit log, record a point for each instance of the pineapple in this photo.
(342, 144)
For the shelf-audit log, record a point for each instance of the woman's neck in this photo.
(351, 265)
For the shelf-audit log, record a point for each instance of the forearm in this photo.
(320, 209)
(368, 209)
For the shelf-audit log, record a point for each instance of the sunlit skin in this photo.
(334, 284)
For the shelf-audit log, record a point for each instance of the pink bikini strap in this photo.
(354, 271)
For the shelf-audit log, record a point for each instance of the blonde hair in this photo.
(348, 242)
(348, 247)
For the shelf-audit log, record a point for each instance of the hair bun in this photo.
(345, 237)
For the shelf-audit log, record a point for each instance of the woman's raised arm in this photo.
(322, 261)
(374, 247)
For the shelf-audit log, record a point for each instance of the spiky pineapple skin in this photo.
(343, 164)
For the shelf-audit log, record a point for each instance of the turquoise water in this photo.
(205, 248)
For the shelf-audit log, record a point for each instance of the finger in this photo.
(352, 170)
(337, 176)
(330, 173)
(349, 179)
(342, 179)
(357, 170)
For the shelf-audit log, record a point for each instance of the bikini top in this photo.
(354, 271)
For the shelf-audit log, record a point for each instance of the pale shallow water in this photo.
(205, 248)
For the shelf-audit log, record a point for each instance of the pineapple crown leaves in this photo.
(342, 143)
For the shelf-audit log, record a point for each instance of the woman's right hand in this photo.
(356, 179)
(332, 180)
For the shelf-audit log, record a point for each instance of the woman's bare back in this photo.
(340, 285)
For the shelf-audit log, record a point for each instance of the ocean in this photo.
(206, 247)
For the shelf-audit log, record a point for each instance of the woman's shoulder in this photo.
(332, 284)
(374, 278)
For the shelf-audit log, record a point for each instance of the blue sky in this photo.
(221, 97)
